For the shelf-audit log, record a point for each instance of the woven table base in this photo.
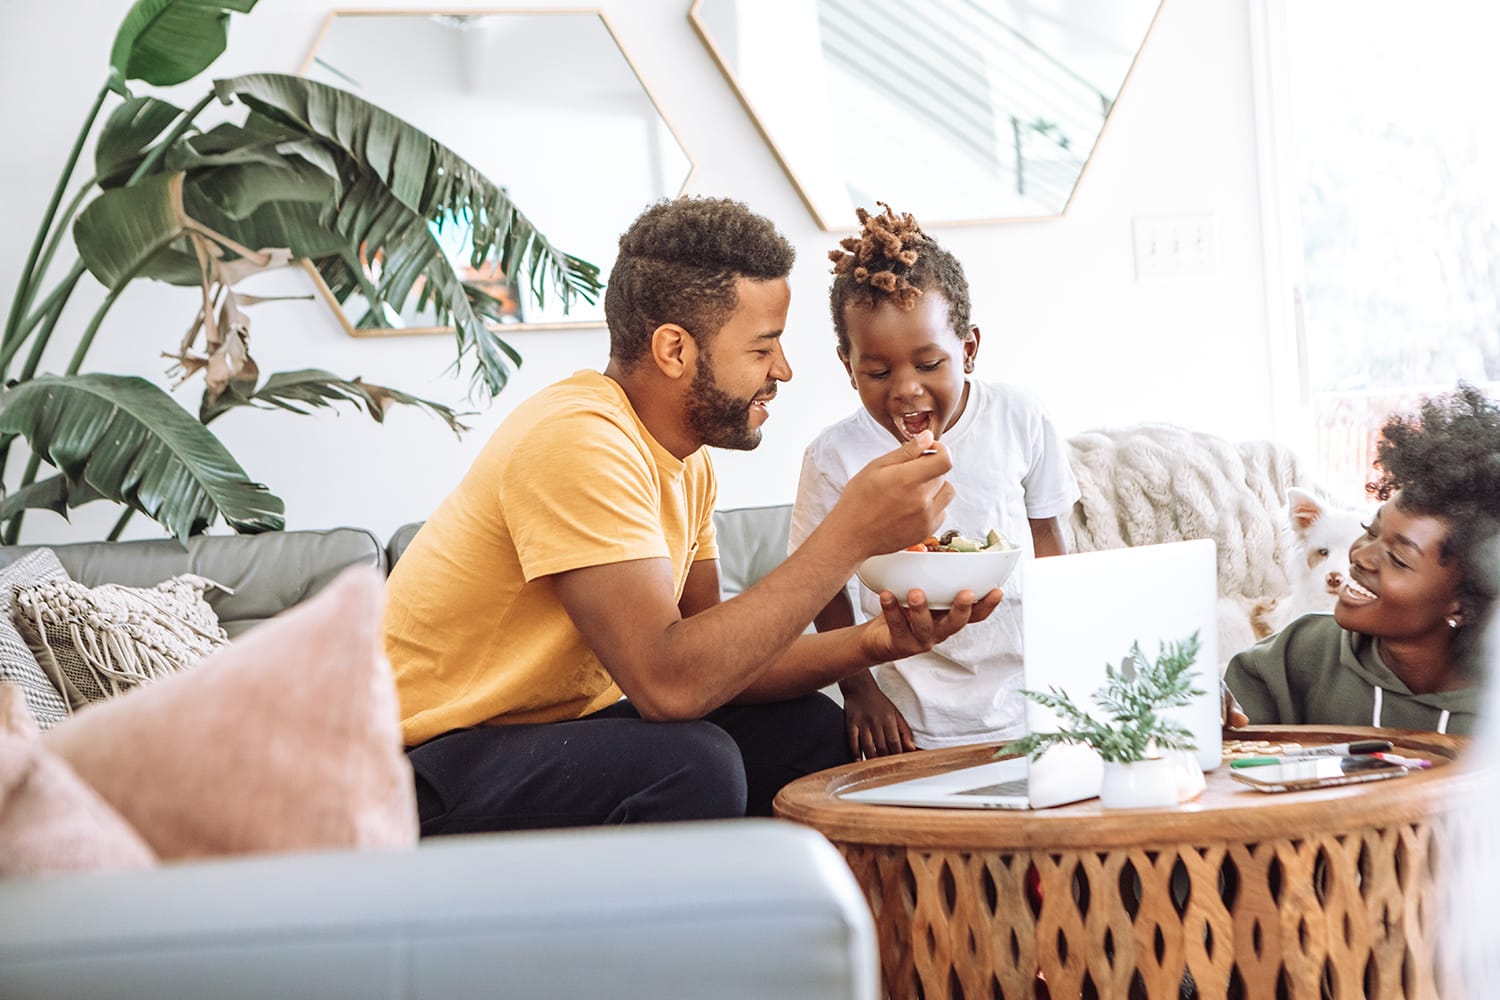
(1338, 916)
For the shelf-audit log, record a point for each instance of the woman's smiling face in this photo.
(909, 366)
(1399, 585)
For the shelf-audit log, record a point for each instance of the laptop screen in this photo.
(1083, 611)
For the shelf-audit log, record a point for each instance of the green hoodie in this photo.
(1314, 672)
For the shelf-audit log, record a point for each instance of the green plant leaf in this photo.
(126, 233)
(1131, 695)
(129, 441)
(54, 493)
(127, 136)
(122, 230)
(165, 42)
(409, 253)
(396, 182)
(297, 391)
(424, 175)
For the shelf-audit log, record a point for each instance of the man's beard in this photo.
(719, 419)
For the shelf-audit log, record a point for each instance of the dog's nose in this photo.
(1335, 581)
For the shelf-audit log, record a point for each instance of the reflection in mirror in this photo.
(972, 111)
(546, 104)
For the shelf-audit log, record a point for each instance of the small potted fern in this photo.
(1145, 753)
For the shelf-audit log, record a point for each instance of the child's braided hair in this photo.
(892, 260)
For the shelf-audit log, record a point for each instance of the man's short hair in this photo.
(678, 263)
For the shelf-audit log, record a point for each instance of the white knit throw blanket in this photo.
(1153, 483)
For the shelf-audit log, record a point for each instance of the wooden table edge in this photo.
(1227, 812)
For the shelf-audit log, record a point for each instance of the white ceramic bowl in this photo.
(940, 575)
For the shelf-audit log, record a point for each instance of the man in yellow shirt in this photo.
(556, 631)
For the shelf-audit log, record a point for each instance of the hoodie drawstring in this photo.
(1443, 716)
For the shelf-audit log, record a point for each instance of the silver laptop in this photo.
(1082, 612)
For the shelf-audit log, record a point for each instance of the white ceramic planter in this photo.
(1143, 784)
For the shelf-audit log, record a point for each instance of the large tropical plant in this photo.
(305, 172)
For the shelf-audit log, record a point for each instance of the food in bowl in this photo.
(952, 541)
(941, 572)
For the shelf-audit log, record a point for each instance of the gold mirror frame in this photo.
(913, 97)
(595, 93)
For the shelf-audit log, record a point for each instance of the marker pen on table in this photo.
(1339, 749)
(1408, 762)
(1262, 761)
(1373, 748)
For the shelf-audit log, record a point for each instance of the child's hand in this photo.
(900, 632)
(875, 726)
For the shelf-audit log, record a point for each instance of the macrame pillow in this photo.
(96, 642)
(18, 665)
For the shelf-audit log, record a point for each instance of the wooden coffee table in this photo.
(1236, 894)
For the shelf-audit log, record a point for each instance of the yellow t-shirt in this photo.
(473, 627)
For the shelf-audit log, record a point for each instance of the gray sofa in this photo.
(747, 908)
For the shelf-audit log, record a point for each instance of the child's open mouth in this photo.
(912, 424)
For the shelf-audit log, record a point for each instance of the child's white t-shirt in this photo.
(1010, 464)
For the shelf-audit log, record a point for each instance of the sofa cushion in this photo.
(50, 821)
(268, 573)
(400, 540)
(287, 739)
(752, 542)
(97, 642)
(18, 665)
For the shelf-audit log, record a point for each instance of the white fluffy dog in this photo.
(1321, 533)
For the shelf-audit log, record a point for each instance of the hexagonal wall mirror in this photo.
(957, 111)
(545, 103)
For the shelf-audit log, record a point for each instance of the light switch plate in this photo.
(1175, 245)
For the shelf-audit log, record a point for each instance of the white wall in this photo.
(1058, 301)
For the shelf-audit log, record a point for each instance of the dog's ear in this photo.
(1303, 509)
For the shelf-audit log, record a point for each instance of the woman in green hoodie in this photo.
(1400, 649)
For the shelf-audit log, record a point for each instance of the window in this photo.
(1390, 191)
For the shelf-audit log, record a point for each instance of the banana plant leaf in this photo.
(54, 493)
(339, 182)
(127, 440)
(166, 42)
(299, 391)
(422, 174)
(139, 231)
(257, 141)
(409, 252)
(121, 231)
(127, 136)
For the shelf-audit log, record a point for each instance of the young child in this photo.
(1400, 648)
(900, 307)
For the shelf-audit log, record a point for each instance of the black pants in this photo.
(615, 767)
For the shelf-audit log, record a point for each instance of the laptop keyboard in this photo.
(1016, 786)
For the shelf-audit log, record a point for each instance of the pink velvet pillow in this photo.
(287, 739)
(50, 821)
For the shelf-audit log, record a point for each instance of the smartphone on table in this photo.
(1317, 772)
